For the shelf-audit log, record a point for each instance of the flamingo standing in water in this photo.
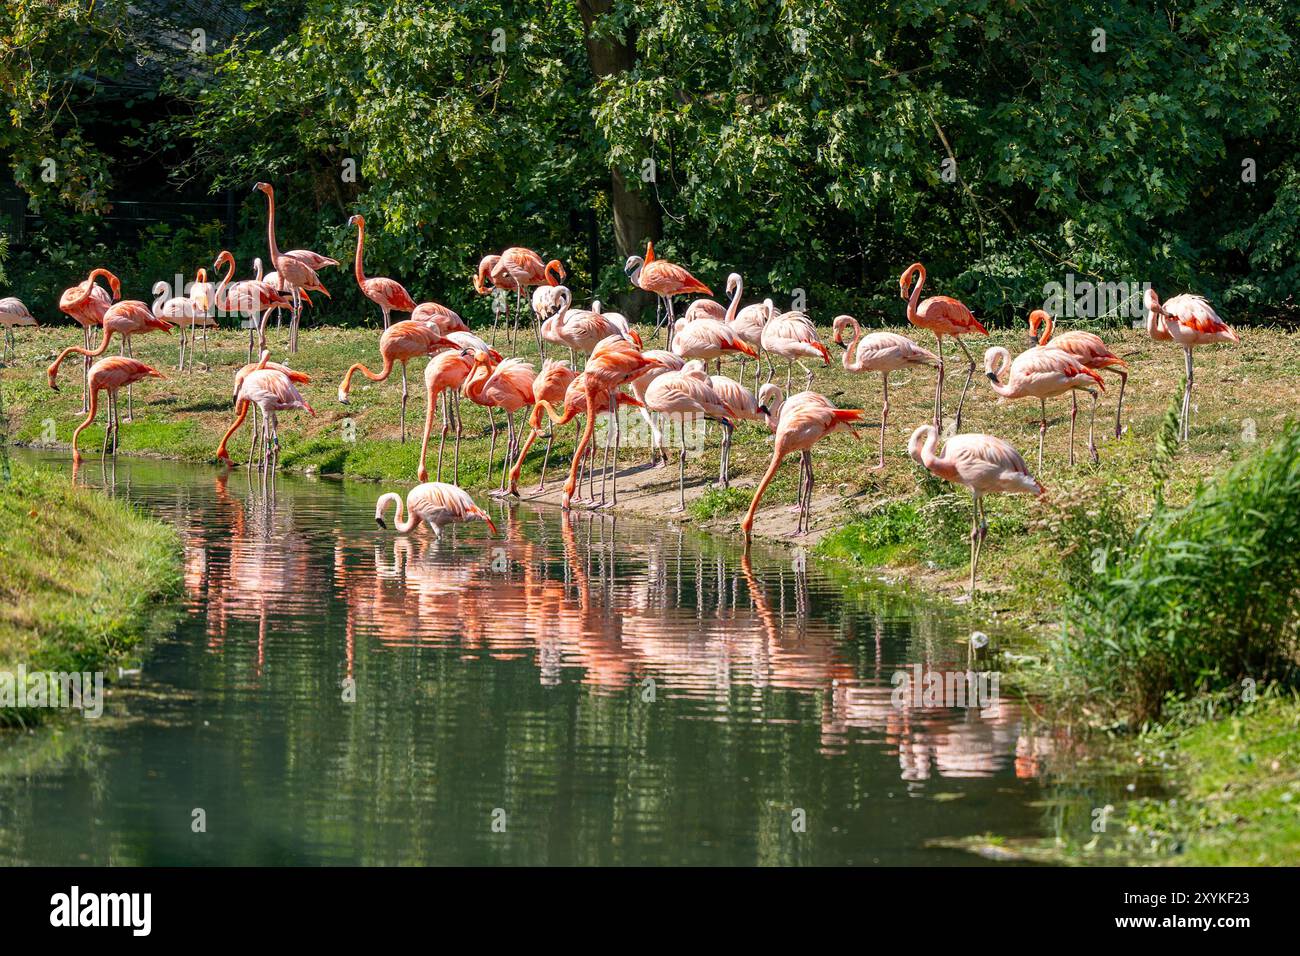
(549, 387)
(984, 464)
(803, 421)
(1043, 373)
(12, 314)
(507, 386)
(434, 503)
(242, 406)
(127, 318)
(85, 303)
(689, 393)
(793, 336)
(272, 391)
(443, 378)
(882, 352)
(1088, 348)
(401, 342)
(665, 279)
(1188, 320)
(295, 269)
(250, 298)
(109, 375)
(945, 317)
(388, 294)
(613, 363)
(517, 269)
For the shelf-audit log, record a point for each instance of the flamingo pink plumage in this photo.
(296, 269)
(744, 407)
(85, 303)
(945, 317)
(793, 336)
(400, 342)
(443, 377)
(665, 279)
(439, 316)
(436, 504)
(688, 394)
(984, 464)
(1088, 348)
(251, 298)
(109, 375)
(1043, 373)
(242, 405)
(1188, 320)
(549, 387)
(507, 385)
(389, 294)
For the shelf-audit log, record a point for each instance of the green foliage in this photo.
(717, 502)
(1203, 598)
(878, 538)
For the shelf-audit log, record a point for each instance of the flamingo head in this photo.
(905, 280)
(264, 188)
(632, 267)
(1152, 302)
(485, 267)
(555, 273)
(920, 438)
(224, 258)
(733, 283)
(1037, 319)
(357, 220)
(115, 284)
(841, 323)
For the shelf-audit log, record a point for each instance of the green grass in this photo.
(81, 573)
(719, 502)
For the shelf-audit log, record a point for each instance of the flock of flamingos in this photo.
(672, 383)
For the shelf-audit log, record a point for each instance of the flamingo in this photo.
(944, 316)
(439, 316)
(85, 303)
(613, 363)
(804, 419)
(1088, 348)
(582, 329)
(575, 404)
(689, 393)
(443, 377)
(706, 337)
(984, 464)
(401, 342)
(272, 391)
(507, 385)
(127, 317)
(177, 310)
(668, 362)
(882, 352)
(12, 314)
(296, 268)
(744, 407)
(434, 503)
(1043, 373)
(388, 294)
(204, 294)
(516, 269)
(705, 309)
(550, 386)
(250, 298)
(748, 324)
(665, 279)
(1188, 320)
(109, 375)
(793, 336)
(242, 407)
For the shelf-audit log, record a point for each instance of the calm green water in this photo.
(587, 690)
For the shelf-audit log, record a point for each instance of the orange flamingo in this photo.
(575, 404)
(944, 316)
(250, 298)
(613, 362)
(13, 313)
(388, 294)
(85, 303)
(127, 318)
(550, 386)
(242, 407)
(443, 377)
(793, 336)
(882, 352)
(296, 268)
(665, 279)
(434, 503)
(684, 394)
(401, 342)
(1088, 348)
(1188, 320)
(1043, 373)
(507, 385)
(984, 464)
(109, 375)
(804, 419)
(516, 270)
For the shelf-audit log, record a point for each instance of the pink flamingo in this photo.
(665, 279)
(748, 323)
(296, 268)
(13, 313)
(793, 336)
(507, 386)
(805, 419)
(109, 375)
(548, 301)
(517, 269)
(434, 503)
(443, 378)
(688, 394)
(613, 363)
(709, 338)
(400, 342)
(984, 464)
(85, 303)
(1043, 373)
(127, 318)
(667, 362)
(744, 407)
(388, 294)
(882, 352)
(583, 329)
(242, 406)
(945, 317)
(550, 386)
(1088, 348)
(574, 403)
(250, 298)
(272, 391)
(1189, 321)
(439, 316)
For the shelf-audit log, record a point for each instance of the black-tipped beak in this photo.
(765, 410)
(991, 376)
(380, 522)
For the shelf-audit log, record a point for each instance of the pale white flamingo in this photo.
(688, 394)
(1189, 321)
(13, 314)
(667, 362)
(793, 336)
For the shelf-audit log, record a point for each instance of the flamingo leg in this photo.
(429, 402)
(681, 478)
(108, 427)
(442, 438)
(116, 425)
(1074, 414)
(884, 418)
(85, 368)
(550, 439)
(1187, 398)
(1092, 420)
(613, 477)
(1042, 430)
(492, 449)
(1119, 409)
(403, 414)
(970, 373)
(938, 387)
(456, 403)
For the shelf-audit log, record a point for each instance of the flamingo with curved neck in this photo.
(388, 294)
(946, 317)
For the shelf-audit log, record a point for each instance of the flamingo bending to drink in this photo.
(434, 503)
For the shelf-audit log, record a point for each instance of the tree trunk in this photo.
(636, 219)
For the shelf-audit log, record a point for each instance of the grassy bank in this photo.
(80, 574)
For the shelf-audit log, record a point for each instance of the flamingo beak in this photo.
(380, 521)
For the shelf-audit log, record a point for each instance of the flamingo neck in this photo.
(225, 280)
(915, 297)
(361, 244)
(270, 229)
(734, 305)
(852, 362)
(999, 361)
(1048, 325)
